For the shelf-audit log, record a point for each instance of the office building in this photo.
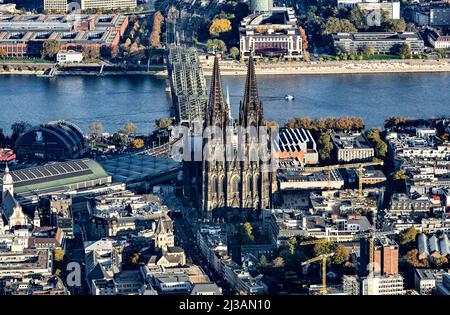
(382, 42)
(107, 4)
(55, 6)
(352, 147)
(383, 285)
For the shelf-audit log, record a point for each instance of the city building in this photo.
(7, 156)
(300, 180)
(353, 147)
(391, 7)
(435, 14)
(108, 4)
(427, 280)
(433, 246)
(273, 33)
(49, 179)
(384, 285)
(385, 256)
(438, 40)
(25, 263)
(69, 56)
(55, 6)
(382, 42)
(7, 8)
(402, 204)
(444, 288)
(261, 6)
(54, 141)
(296, 144)
(23, 36)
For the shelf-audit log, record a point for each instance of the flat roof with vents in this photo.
(58, 175)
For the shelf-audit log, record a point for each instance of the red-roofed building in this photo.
(7, 155)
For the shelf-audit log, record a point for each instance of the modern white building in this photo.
(384, 285)
(392, 8)
(352, 147)
(107, 4)
(69, 56)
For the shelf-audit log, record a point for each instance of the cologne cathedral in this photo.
(234, 176)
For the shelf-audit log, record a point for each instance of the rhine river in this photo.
(114, 100)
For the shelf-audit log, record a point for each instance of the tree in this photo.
(219, 26)
(135, 258)
(395, 122)
(335, 25)
(138, 143)
(391, 25)
(304, 39)
(412, 259)
(441, 262)
(357, 17)
(154, 40)
(245, 233)
(368, 50)
(19, 128)
(408, 236)
(128, 129)
(91, 52)
(216, 45)
(325, 146)
(341, 255)
(96, 128)
(401, 49)
(50, 48)
(164, 123)
(263, 263)
(58, 254)
(323, 247)
(278, 262)
(234, 52)
(3, 53)
(380, 147)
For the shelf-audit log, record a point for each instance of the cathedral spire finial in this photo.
(216, 100)
(251, 90)
(251, 111)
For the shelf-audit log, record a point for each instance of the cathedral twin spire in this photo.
(250, 111)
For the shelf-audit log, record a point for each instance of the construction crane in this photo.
(322, 258)
(358, 166)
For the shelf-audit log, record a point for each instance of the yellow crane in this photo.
(329, 168)
(322, 258)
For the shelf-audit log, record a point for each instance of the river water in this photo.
(114, 100)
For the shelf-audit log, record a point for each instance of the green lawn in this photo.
(24, 60)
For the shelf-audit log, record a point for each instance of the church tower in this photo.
(36, 219)
(238, 179)
(8, 184)
(217, 120)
